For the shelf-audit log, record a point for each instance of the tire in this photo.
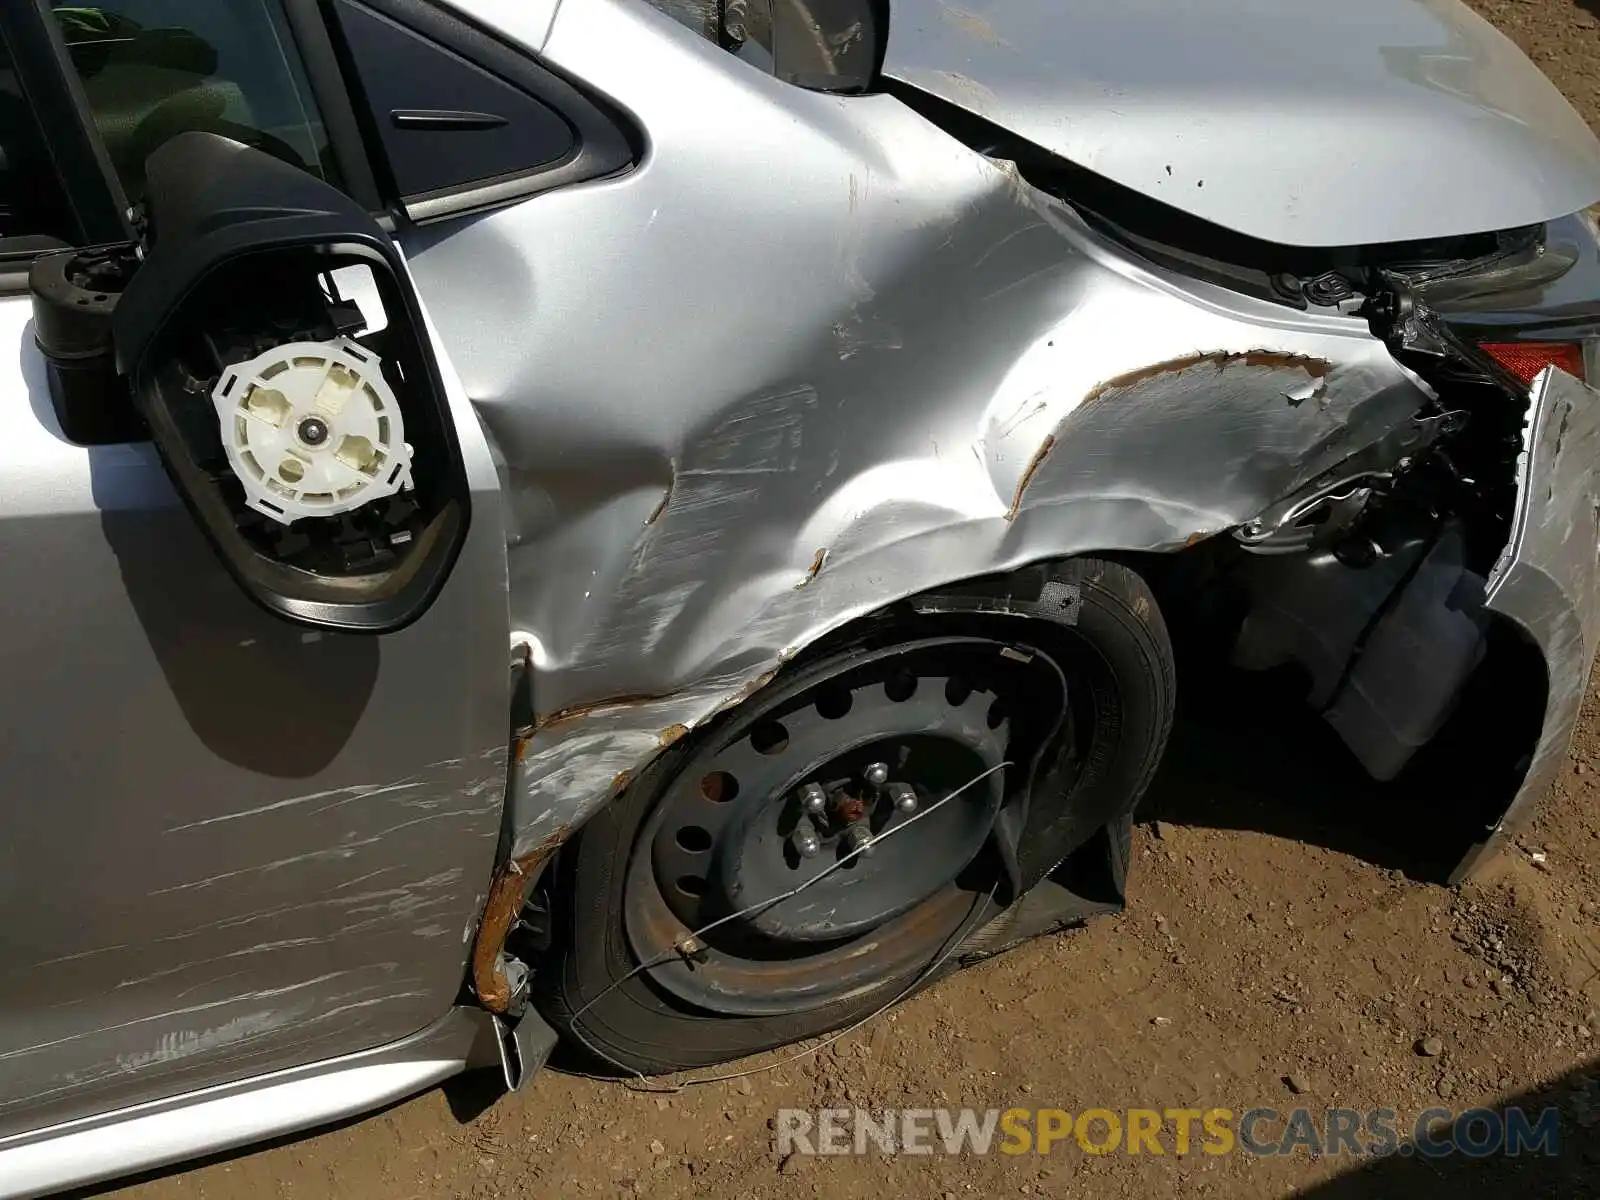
(1120, 656)
(619, 1018)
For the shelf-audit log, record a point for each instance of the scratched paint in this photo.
(172, 1046)
(259, 959)
(1090, 407)
(957, 377)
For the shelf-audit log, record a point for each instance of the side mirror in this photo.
(309, 434)
(827, 45)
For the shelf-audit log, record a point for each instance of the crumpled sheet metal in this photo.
(1181, 450)
(928, 370)
(1548, 581)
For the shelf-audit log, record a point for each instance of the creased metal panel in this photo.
(887, 363)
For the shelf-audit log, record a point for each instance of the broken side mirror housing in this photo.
(310, 435)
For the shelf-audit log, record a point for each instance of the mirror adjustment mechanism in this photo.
(313, 443)
(312, 429)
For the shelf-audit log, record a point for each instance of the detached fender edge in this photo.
(507, 894)
(1547, 580)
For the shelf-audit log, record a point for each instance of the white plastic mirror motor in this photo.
(312, 429)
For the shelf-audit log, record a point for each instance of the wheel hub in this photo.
(839, 782)
(886, 860)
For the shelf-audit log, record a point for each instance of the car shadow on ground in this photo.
(1247, 756)
(1566, 1166)
(1246, 753)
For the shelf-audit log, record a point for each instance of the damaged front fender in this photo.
(1548, 582)
(960, 378)
(937, 372)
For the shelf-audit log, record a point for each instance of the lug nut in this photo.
(806, 843)
(813, 800)
(904, 797)
(859, 841)
(877, 774)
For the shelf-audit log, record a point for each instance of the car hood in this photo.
(1303, 122)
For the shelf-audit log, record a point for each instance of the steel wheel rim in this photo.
(933, 714)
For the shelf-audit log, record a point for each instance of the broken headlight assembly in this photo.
(1477, 328)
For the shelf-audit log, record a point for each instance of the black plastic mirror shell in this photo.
(218, 213)
(72, 328)
(69, 320)
(209, 198)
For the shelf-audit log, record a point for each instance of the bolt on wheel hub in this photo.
(889, 863)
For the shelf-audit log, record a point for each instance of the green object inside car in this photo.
(147, 85)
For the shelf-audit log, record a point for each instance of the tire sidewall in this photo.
(628, 1023)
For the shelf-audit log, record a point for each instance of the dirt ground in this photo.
(1276, 939)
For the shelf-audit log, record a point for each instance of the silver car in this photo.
(663, 526)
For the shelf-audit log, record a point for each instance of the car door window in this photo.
(152, 69)
(446, 124)
(33, 212)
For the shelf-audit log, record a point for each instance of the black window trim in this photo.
(54, 92)
(606, 144)
(335, 104)
(88, 182)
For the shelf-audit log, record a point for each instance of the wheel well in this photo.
(883, 622)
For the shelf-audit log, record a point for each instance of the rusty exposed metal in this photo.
(815, 568)
(1028, 472)
(578, 712)
(851, 809)
(1271, 360)
(749, 689)
(506, 896)
(1317, 368)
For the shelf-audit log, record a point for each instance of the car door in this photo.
(232, 842)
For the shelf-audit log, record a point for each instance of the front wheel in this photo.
(825, 848)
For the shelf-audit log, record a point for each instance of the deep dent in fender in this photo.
(987, 440)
